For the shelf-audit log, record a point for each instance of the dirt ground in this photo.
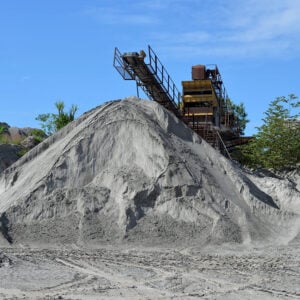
(130, 272)
(129, 174)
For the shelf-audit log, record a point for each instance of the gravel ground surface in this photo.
(129, 272)
(144, 209)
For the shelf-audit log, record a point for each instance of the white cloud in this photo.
(230, 28)
(266, 20)
(252, 28)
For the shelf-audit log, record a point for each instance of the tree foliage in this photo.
(38, 134)
(277, 142)
(51, 123)
(3, 127)
(240, 114)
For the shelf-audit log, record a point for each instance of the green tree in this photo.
(51, 123)
(4, 127)
(239, 113)
(3, 131)
(277, 142)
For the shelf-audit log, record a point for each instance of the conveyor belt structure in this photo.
(152, 77)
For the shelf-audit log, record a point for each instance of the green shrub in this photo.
(3, 139)
(21, 152)
(38, 134)
(54, 122)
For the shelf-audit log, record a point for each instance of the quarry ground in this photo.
(129, 174)
(130, 272)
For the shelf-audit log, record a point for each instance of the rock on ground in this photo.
(14, 142)
(8, 155)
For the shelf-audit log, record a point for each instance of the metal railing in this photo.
(163, 77)
(123, 68)
(152, 77)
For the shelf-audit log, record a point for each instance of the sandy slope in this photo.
(129, 169)
(128, 203)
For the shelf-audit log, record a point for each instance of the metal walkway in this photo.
(152, 77)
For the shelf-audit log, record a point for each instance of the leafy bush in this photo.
(22, 152)
(239, 111)
(3, 129)
(38, 134)
(51, 123)
(3, 139)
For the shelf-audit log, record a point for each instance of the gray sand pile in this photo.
(130, 170)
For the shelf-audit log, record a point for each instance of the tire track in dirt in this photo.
(112, 275)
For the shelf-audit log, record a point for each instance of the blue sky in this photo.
(63, 50)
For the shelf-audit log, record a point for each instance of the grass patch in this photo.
(22, 152)
(4, 139)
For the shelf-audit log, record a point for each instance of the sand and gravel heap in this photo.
(129, 170)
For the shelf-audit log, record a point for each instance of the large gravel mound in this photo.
(129, 170)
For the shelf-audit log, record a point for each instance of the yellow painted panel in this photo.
(197, 84)
(201, 98)
(198, 114)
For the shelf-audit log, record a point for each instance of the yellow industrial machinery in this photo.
(204, 105)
